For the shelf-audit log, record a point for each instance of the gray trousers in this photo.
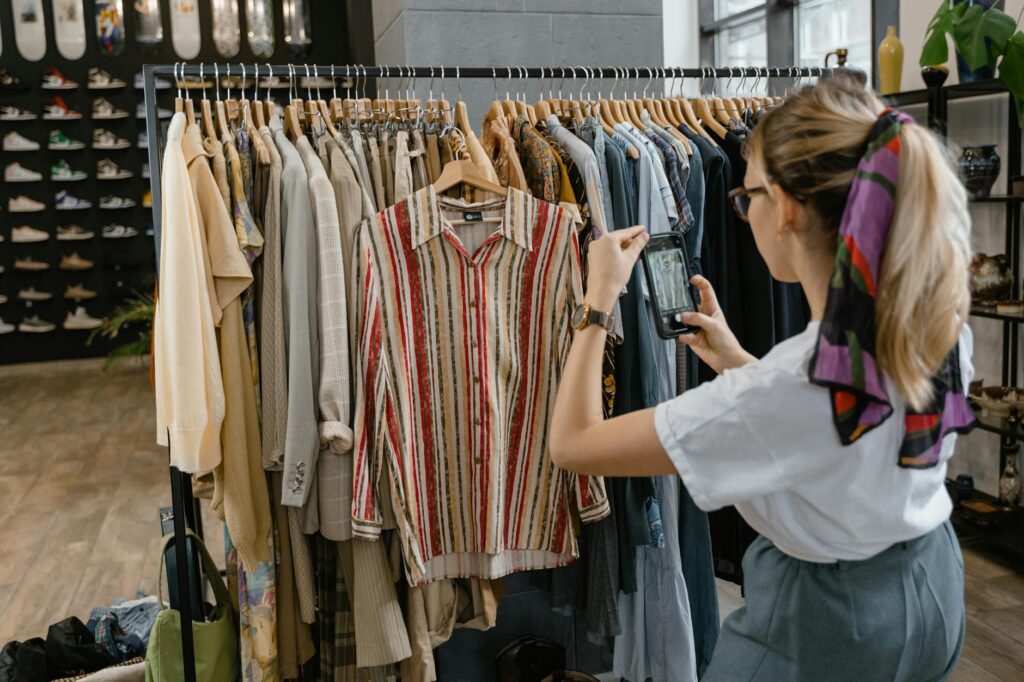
(896, 616)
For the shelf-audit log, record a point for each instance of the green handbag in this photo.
(215, 641)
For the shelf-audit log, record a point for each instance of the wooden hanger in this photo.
(464, 172)
(704, 113)
(292, 127)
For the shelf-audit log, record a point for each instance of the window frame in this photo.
(780, 18)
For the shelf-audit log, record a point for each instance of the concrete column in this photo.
(504, 33)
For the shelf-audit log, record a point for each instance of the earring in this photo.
(783, 231)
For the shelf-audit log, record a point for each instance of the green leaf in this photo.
(978, 26)
(935, 50)
(1011, 68)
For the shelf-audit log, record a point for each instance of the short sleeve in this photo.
(732, 439)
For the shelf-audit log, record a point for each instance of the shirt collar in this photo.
(428, 220)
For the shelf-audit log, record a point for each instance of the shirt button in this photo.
(475, 344)
(478, 421)
(472, 304)
(476, 380)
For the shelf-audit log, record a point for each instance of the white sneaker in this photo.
(34, 325)
(101, 80)
(140, 111)
(16, 142)
(65, 201)
(5, 327)
(104, 139)
(30, 294)
(161, 84)
(26, 234)
(145, 170)
(15, 172)
(143, 140)
(55, 80)
(115, 231)
(116, 203)
(12, 113)
(3, 299)
(73, 233)
(81, 320)
(102, 109)
(23, 204)
(106, 169)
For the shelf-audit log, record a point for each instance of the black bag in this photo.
(529, 659)
(23, 661)
(71, 650)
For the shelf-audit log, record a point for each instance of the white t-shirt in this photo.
(762, 438)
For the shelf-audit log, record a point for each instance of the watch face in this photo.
(578, 316)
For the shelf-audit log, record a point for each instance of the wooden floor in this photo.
(81, 483)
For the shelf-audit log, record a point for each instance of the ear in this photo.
(788, 209)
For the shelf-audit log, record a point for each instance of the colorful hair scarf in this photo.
(844, 359)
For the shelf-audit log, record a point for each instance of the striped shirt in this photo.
(460, 352)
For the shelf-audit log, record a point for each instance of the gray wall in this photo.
(515, 32)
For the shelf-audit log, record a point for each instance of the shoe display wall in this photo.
(75, 208)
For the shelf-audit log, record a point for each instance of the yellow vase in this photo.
(890, 62)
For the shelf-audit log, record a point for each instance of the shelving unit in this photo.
(1008, 531)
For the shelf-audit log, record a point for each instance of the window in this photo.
(784, 32)
(824, 25)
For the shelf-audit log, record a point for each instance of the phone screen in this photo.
(669, 282)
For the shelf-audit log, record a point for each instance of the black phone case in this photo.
(663, 331)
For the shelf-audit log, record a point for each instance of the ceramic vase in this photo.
(890, 62)
(984, 73)
(1010, 484)
(979, 167)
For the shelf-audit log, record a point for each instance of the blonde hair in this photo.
(810, 146)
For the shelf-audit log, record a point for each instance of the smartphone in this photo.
(668, 282)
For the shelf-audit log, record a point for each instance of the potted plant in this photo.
(136, 313)
(985, 38)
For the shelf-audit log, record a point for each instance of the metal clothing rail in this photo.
(186, 512)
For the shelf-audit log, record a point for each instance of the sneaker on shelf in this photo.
(81, 320)
(161, 84)
(116, 203)
(75, 262)
(30, 264)
(115, 231)
(78, 292)
(106, 169)
(63, 172)
(149, 230)
(65, 201)
(104, 139)
(145, 170)
(31, 294)
(26, 235)
(35, 325)
(3, 299)
(15, 172)
(103, 109)
(143, 140)
(140, 111)
(5, 327)
(13, 113)
(16, 142)
(23, 204)
(56, 109)
(53, 79)
(147, 199)
(61, 142)
(101, 80)
(11, 83)
(73, 233)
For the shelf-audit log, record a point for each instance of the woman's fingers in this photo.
(698, 320)
(637, 244)
(708, 299)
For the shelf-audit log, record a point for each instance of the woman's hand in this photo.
(715, 343)
(610, 261)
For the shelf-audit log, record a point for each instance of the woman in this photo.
(834, 445)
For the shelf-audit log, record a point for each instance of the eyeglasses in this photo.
(740, 198)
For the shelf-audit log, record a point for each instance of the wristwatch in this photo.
(584, 316)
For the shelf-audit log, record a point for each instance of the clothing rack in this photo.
(185, 507)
